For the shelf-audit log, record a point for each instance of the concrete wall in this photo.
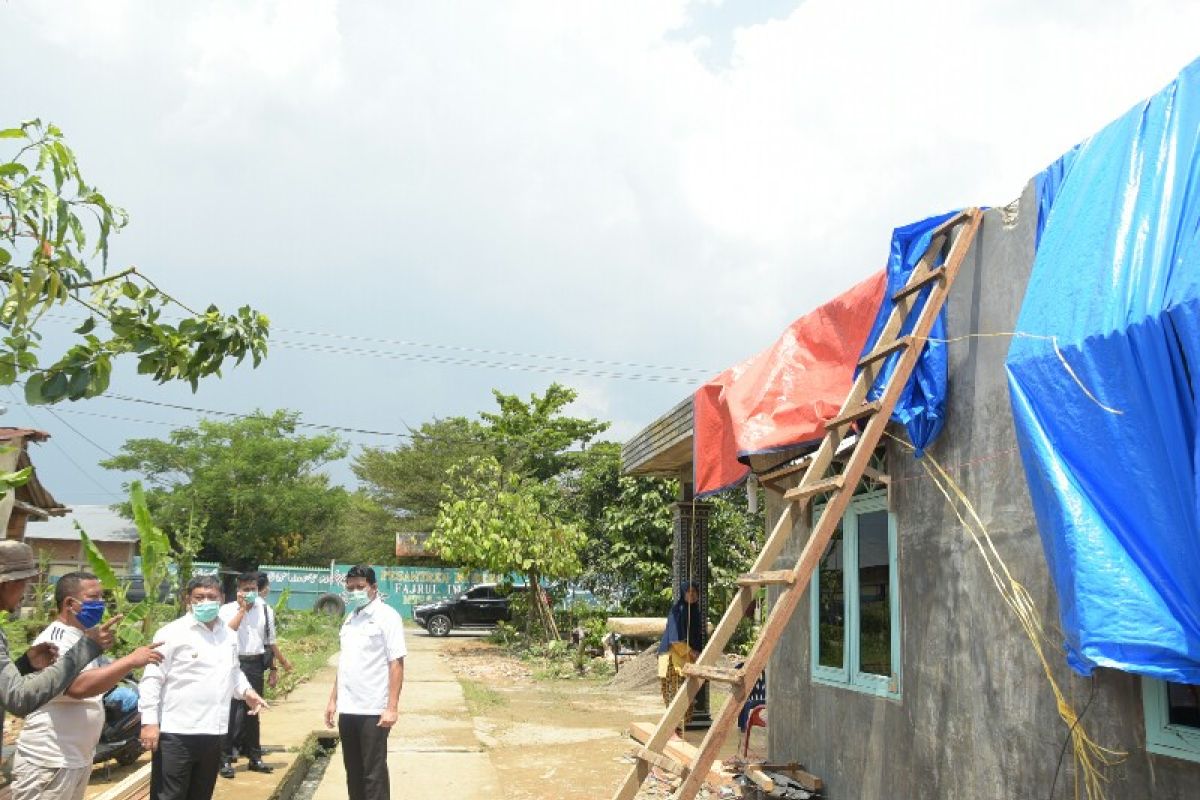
(976, 717)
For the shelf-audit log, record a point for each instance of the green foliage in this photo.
(241, 492)
(533, 439)
(628, 520)
(51, 223)
(97, 562)
(409, 481)
(309, 640)
(501, 522)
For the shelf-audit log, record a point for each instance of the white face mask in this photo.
(357, 598)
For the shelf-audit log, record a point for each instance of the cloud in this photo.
(664, 182)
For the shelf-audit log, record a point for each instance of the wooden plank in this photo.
(659, 760)
(917, 282)
(730, 677)
(760, 778)
(682, 752)
(132, 786)
(794, 771)
(775, 577)
(805, 491)
(833, 511)
(880, 353)
(865, 410)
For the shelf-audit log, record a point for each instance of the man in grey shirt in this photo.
(42, 673)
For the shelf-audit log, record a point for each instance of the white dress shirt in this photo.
(189, 692)
(371, 637)
(252, 635)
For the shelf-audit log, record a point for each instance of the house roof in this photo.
(101, 523)
(31, 434)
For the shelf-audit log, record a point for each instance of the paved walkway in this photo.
(433, 751)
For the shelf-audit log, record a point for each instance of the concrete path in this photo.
(433, 751)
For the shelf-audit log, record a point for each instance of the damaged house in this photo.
(1016, 612)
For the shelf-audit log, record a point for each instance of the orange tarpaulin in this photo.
(783, 396)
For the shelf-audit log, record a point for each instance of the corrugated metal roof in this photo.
(101, 523)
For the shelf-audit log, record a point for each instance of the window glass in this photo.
(479, 592)
(874, 588)
(831, 613)
(1183, 704)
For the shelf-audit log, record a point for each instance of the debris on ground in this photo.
(639, 674)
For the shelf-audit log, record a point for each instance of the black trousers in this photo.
(364, 752)
(244, 733)
(184, 767)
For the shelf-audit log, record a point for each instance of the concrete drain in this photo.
(304, 777)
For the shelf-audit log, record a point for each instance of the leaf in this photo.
(12, 133)
(55, 388)
(97, 561)
(87, 327)
(33, 389)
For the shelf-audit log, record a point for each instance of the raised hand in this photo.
(146, 654)
(42, 655)
(102, 634)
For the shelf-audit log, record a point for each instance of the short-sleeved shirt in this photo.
(371, 637)
(257, 631)
(64, 732)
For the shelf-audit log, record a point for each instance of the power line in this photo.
(597, 368)
(95, 481)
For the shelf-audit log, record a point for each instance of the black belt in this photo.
(256, 657)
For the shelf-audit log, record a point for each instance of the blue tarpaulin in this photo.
(921, 408)
(1113, 476)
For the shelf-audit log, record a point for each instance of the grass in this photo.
(308, 640)
(481, 698)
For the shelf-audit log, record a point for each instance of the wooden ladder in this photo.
(953, 237)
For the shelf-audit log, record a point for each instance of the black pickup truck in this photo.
(480, 606)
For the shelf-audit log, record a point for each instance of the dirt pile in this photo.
(639, 674)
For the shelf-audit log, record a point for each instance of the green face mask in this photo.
(357, 598)
(250, 597)
(206, 610)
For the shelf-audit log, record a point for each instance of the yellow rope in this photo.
(1090, 758)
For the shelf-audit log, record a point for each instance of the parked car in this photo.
(481, 606)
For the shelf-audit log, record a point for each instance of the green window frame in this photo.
(848, 605)
(1163, 737)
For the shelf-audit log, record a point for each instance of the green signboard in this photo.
(401, 587)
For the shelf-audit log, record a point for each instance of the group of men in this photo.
(201, 688)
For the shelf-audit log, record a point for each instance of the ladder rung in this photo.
(865, 410)
(778, 577)
(820, 487)
(917, 284)
(733, 677)
(883, 352)
(660, 760)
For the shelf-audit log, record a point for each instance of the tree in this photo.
(49, 218)
(409, 481)
(507, 511)
(249, 486)
(503, 522)
(628, 523)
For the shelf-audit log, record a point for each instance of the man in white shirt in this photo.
(55, 748)
(366, 693)
(254, 621)
(185, 699)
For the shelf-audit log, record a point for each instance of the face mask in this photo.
(205, 610)
(250, 597)
(90, 613)
(357, 598)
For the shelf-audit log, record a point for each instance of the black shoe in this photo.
(258, 766)
(226, 770)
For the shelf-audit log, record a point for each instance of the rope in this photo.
(1091, 759)
(1042, 337)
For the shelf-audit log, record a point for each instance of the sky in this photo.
(432, 200)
